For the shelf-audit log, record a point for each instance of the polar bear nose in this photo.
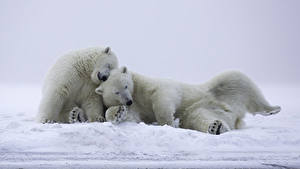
(129, 103)
(100, 77)
(104, 78)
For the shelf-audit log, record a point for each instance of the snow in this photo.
(265, 142)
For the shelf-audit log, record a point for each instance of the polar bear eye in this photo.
(126, 87)
(108, 66)
(117, 93)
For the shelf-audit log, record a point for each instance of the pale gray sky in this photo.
(189, 40)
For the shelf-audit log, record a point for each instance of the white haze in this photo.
(184, 40)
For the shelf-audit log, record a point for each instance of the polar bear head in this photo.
(117, 89)
(106, 62)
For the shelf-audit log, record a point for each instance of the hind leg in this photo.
(237, 90)
(204, 120)
(257, 103)
(50, 108)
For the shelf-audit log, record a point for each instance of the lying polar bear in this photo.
(214, 107)
(71, 83)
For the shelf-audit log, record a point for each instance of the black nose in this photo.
(104, 78)
(129, 103)
(99, 75)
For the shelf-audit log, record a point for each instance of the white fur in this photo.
(71, 82)
(226, 98)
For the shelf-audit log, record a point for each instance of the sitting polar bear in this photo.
(71, 84)
(214, 107)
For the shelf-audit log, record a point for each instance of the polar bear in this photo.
(216, 106)
(70, 85)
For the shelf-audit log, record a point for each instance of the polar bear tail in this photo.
(237, 90)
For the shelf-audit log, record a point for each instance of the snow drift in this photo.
(265, 142)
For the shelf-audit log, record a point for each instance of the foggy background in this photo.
(186, 40)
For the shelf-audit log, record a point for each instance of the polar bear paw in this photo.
(77, 115)
(100, 119)
(271, 111)
(48, 121)
(116, 114)
(217, 128)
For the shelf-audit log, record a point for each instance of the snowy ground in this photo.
(266, 142)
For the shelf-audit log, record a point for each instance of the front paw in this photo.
(77, 115)
(116, 114)
(100, 118)
(48, 121)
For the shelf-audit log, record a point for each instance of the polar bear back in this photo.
(72, 67)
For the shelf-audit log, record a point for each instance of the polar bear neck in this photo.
(143, 89)
(85, 65)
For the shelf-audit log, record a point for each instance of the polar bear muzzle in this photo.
(102, 77)
(128, 103)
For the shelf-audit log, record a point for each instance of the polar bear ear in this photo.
(124, 69)
(107, 50)
(99, 90)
